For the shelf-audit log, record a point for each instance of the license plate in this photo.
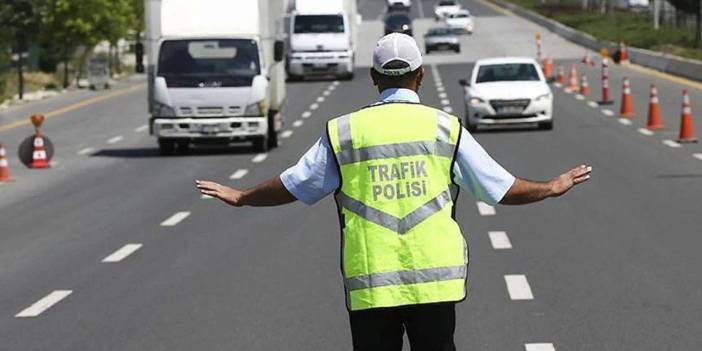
(210, 129)
(510, 109)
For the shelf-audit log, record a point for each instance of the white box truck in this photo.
(215, 71)
(322, 37)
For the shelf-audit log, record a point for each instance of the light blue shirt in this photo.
(316, 175)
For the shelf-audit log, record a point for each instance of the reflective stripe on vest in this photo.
(400, 246)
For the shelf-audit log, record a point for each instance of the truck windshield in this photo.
(209, 63)
(319, 24)
(507, 72)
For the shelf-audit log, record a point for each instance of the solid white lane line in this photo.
(442, 96)
(607, 112)
(320, 99)
(142, 128)
(579, 97)
(485, 209)
(86, 151)
(306, 114)
(592, 104)
(286, 134)
(500, 240)
(539, 347)
(314, 106)
(448, 109)
(625, 121)
(518, 287)
(240, 173)
(298, 123)
(671, 143)
(115, 140)
(697, 156)
(259, 158)
(122, 253)
(445, 102)
(44, 304)
(645, 131)
(175, 219)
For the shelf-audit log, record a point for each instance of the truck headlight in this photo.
(163, 110)
(256, 109)
(476, 101)
(542, 97)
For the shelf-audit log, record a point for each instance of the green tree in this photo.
(692, 6)
(22, 18)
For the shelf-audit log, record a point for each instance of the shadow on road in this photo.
(153, 152)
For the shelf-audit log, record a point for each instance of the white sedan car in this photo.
(445, 8)
(507, 91)
(460, 20)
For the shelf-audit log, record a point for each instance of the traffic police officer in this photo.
(395, 168)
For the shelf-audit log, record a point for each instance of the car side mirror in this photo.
(278, 50)
(464, 83)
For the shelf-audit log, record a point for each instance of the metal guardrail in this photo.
(679, 66)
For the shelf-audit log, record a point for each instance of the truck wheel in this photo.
(272, 133)
(166, 148)
(294, 78)
(183, 147)
(260, 144)
(348, 76)
(546, 125)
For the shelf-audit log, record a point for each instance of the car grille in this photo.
(509, 107)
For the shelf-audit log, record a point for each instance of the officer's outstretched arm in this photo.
(525, 191)
(269, 193)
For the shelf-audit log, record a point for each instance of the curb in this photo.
(675, 65)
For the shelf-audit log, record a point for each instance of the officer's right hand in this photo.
(219, 191)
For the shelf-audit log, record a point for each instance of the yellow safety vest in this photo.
(400, 242)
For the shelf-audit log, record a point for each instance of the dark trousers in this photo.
(429, 327)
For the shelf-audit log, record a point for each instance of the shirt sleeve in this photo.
(315, 175)
(477, 172)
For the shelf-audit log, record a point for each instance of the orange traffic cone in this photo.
(687, 126)
(560, 78)
(627, 109)
(655, 121)
(587, 60)
(4, 167)
(548, 69)
(39, 157)
(573, 79)
(623, 54)
(584, 86)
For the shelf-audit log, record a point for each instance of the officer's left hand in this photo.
(219, 191)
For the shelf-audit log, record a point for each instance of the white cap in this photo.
(396, 47)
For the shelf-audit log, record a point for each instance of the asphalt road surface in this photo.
(114, 249)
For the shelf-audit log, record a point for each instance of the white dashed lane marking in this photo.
(240, 173)
(175, 219)
(592, 104)
(645, 131)
(671, 143)
(500, 240)
(298, 123)
(442, 95)
(448, 109)
(44, 304)
(539, 347)
(306, 114)
(518, 287)
(86, 151)
(326, 93)
(445, 102)
(440, 89)
(697, 156)
(259, 158)
(115, 140)
(286, 134)
(140, 129)
(625, 121)
(314, 106)
(122, 253)
(485, 209)
(579, 97)
(607, 112)
(320, 99)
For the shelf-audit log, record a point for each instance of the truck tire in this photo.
(546, 125)
(272, 133)
(348, 76)
(183, 147)
(260, 144)
(166, 147)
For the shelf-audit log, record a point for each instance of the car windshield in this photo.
(224, 62)
(319, 24)
(447, 3)
(459, 15)
(439, 32)
(398, 20)
(507, 72)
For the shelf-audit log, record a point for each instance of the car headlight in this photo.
(163, 110)
(542, 97)
(476, 101)
(256, 109)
